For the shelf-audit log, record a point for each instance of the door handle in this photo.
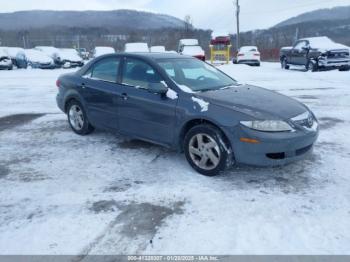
(83, 86)
(125, 96)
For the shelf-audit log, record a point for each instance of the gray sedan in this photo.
(185, 104)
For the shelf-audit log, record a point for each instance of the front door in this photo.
(142, 113)
(299, 53)
(100, 91)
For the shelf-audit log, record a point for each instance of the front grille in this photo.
(338, 55)
(276, 156)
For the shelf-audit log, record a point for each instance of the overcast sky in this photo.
(207, 14)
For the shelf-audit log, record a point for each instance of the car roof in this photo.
(151, 56)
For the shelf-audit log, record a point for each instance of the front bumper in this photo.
(72, 64)
(42, 66)
(273, 149)
(5, 67)
(336, 63)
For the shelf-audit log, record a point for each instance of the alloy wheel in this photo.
(204, 151)
(76, 117)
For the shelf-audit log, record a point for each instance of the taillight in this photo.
(257, 54)
(58, 83)
(240, 55)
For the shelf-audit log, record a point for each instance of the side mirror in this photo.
(305, 48)
(157, 88)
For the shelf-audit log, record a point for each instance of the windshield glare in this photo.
(195, 74)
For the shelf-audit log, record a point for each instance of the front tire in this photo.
(206, 150)
(284, 64)
(77, 118)
(312, 66)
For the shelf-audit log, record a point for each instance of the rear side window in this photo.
(139, 74)
(300, 45)
(105, 70)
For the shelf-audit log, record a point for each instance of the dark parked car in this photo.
(316, 53)
(70, 58)
(183, 103)
(34, 59)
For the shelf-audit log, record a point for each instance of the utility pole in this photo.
(24, 41)
(296, 34)
(237, 22)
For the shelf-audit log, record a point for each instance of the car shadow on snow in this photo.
(296, 177)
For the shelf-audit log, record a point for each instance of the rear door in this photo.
(143, 113)
(101, 93)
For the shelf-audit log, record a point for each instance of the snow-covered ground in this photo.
(102, 194)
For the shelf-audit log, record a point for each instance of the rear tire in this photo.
(77, 118)
(206, 150)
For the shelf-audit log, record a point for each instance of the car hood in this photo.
(287, 48)
(255, 101)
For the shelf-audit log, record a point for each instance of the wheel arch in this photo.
(70, 97)
(196, 122)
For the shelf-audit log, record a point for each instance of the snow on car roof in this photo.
(49, 50)
(193, 50)
(12, 51)
(103, 50)
(136, 47)
(248, 48)
(107, 48)
(159, 49)
(3, 52)
(69, 54)
(35, 55)
(323, 42)
(189, 42)
(219, 34)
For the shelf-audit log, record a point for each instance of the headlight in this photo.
(268, 125)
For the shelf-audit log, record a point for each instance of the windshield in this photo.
(195, 74)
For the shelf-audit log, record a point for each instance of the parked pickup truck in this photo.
(316, 53)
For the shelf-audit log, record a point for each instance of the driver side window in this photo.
(139, 74)
(300, 45)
